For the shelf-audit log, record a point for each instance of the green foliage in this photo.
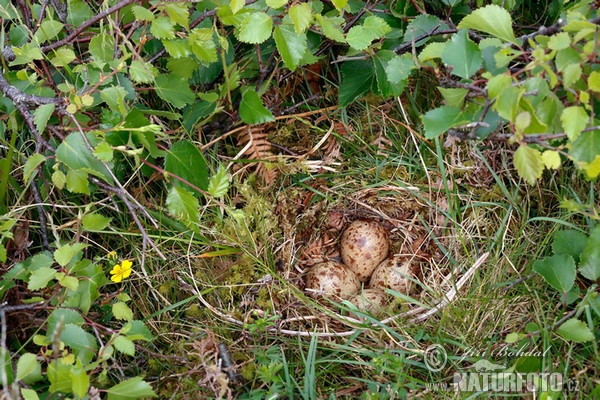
(574, 252)
(75, 358)
(108, 113)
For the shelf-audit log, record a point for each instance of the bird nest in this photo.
(308, 232)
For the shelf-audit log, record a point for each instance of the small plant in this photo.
(575, 253)
(72, 354)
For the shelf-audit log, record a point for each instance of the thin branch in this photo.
(541, 137)
(407, 46)
(87, 24)
(133, 206)
(19, 97)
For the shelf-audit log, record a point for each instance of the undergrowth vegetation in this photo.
(170, 170)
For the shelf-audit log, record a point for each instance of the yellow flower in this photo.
(121, 271)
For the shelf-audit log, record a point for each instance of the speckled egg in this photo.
(363, 246)
(333, 279)
(394, 274)
(372, 301)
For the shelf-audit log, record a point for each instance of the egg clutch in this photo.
(364, 248)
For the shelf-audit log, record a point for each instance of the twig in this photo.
(4, 308)
(86, 24)
(19, 97)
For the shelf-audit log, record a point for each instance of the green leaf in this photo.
(41, 115)
(592, 170)
(59, 317)
(558, 271)
(569, 242)
(59, 179)
(77, 181)
(27, 365)
(377, 26)
(491, 19)
(594, 81)
(87, 290)
(29, 394)
(463, 55)
(252, 110)
(559, 41)
(551, 159)
(276, 3)
(104, 152)
(177, 48)
(586, 147)
(186, 161)
(31, 165)
(179, 13)
(385, 86)
(114, 97)
(357, 79)
(398, 69)
(236, 5)
(439, 120)
(102, 48)
(48, 30)
(203, 45)
(142, 13)
(301, 16)
(331, 27)
(64, 254)
(576, 331)
(182, 204)
(507, 102)
(422, 26)
(40, 277)
(130, 389)
(62, 57)
(571, 74)
(529, 163)
(82, 343)
(95, 222)
(589, 266)
(255, 28)
(162, 28)
(218, 185)
(59, 375)
(27, 53)
(454, 97)
(75, 154)
(291, 46)
(432, 51)
(122, 311)
(43, 259)
(124, 345)
(69, 282)
(141, 72)
(137, 330)
(359, 37)
(339, 4)
(567, 57)
(80, 381)
(174, 90)
(574, 120)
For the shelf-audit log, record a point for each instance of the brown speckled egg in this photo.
(392, 274)
(363, 246)
(373, 301)
(331, 278)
